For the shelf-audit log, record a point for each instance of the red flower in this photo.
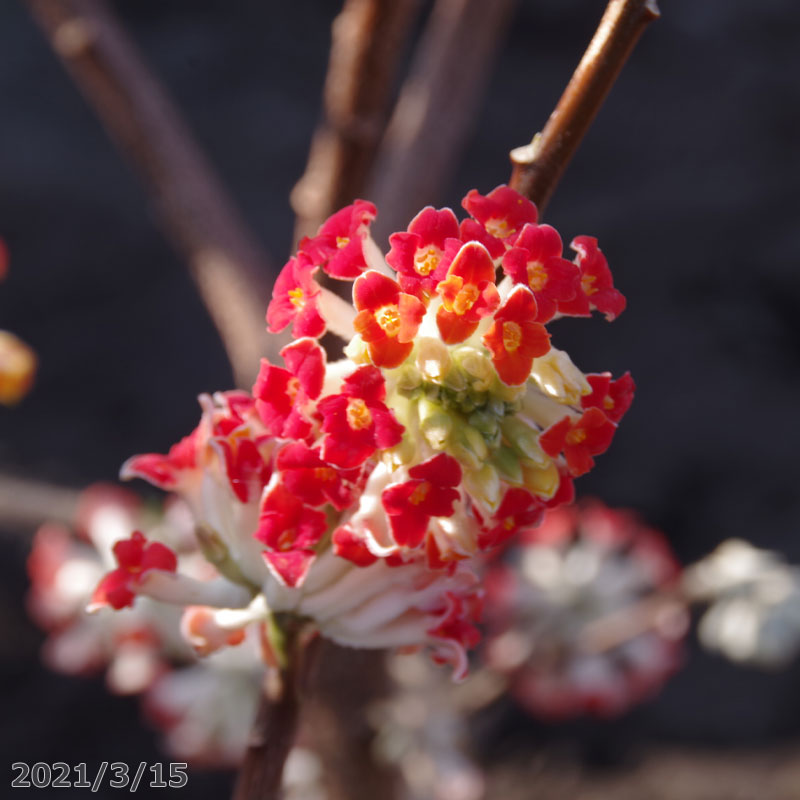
(136, 557)
(419, 255)
(388, 319)
(312, 480)
(613, 397)
(468, 293)
(430, 493)
(518, 509)
(295, 298)
(515, 339)
(503, 212)
(456, 627)
(338, 247)
(589, 436)
(535, 261)
(357, 421)
(164, 471)
(281, 395)
(290, 529)
(348, 544)
(472, 231)
(596, 287)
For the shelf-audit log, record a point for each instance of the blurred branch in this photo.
(28, 503)
(368, 38)
(227, 264)
(432, 119)
(537, 167)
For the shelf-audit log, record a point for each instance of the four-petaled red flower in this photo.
(339, 244)
(515, 339)
(290, 529)
(388, 319)
(295, 299)
(596, 286)
(136, 557)
(418, 254)
(503, 212)
(430, 493)
(281, 395)
(535, 261)
(468, 293)
(518, 509)
(357, 421)
(589, 436)
(613, 397)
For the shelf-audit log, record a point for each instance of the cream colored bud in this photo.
(433, 359)
(559, 378)
(508, 467)
(478, 367)
(524, 439)
(542, 481)
(435, 423)
(469, 447)
(408, 378)
(483, 483)
(356, 350)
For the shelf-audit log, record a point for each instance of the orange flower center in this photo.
(608, 403)
(587, 284)
(419, 493)
(342, 242)
(296, 297)
(358, 415)
(388, 318)
(498, 228)
(576, 436)
(537, 276)
(325, 474)
(509, 523)
(292, 387)
(286, 539)
(465, 299)
(512, 336)
(426, 261)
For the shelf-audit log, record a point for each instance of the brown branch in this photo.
(227, 264)
(368, 39)
(432, 120)
(537, 167)
(275, 728)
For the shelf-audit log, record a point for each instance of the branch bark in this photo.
(537, 167)
(227, 264)
(368, 39)
(432, 120)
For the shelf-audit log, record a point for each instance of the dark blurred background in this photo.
(689, 178)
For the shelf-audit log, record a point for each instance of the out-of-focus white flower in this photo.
(754, 596)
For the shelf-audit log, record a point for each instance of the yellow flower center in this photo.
(342, 242)
(358, 415)
(537, 276)
(296, 297)
(608, 403)
(499, 228)
(576, 436)
(420, 493)
(388, 318)
(286, 539)
(426, 261)
(509, 523)
(587, 284)
(512, 336)
(325, 474)
(292, 387)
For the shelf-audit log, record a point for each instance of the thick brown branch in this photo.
(437, 104)
(537, 167)
(275, 727)
(368, 39)
(227, 264)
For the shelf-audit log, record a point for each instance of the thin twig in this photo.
(226, 262)
(28, 503)
(433, 117)
(538, 166)
(368, 39)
